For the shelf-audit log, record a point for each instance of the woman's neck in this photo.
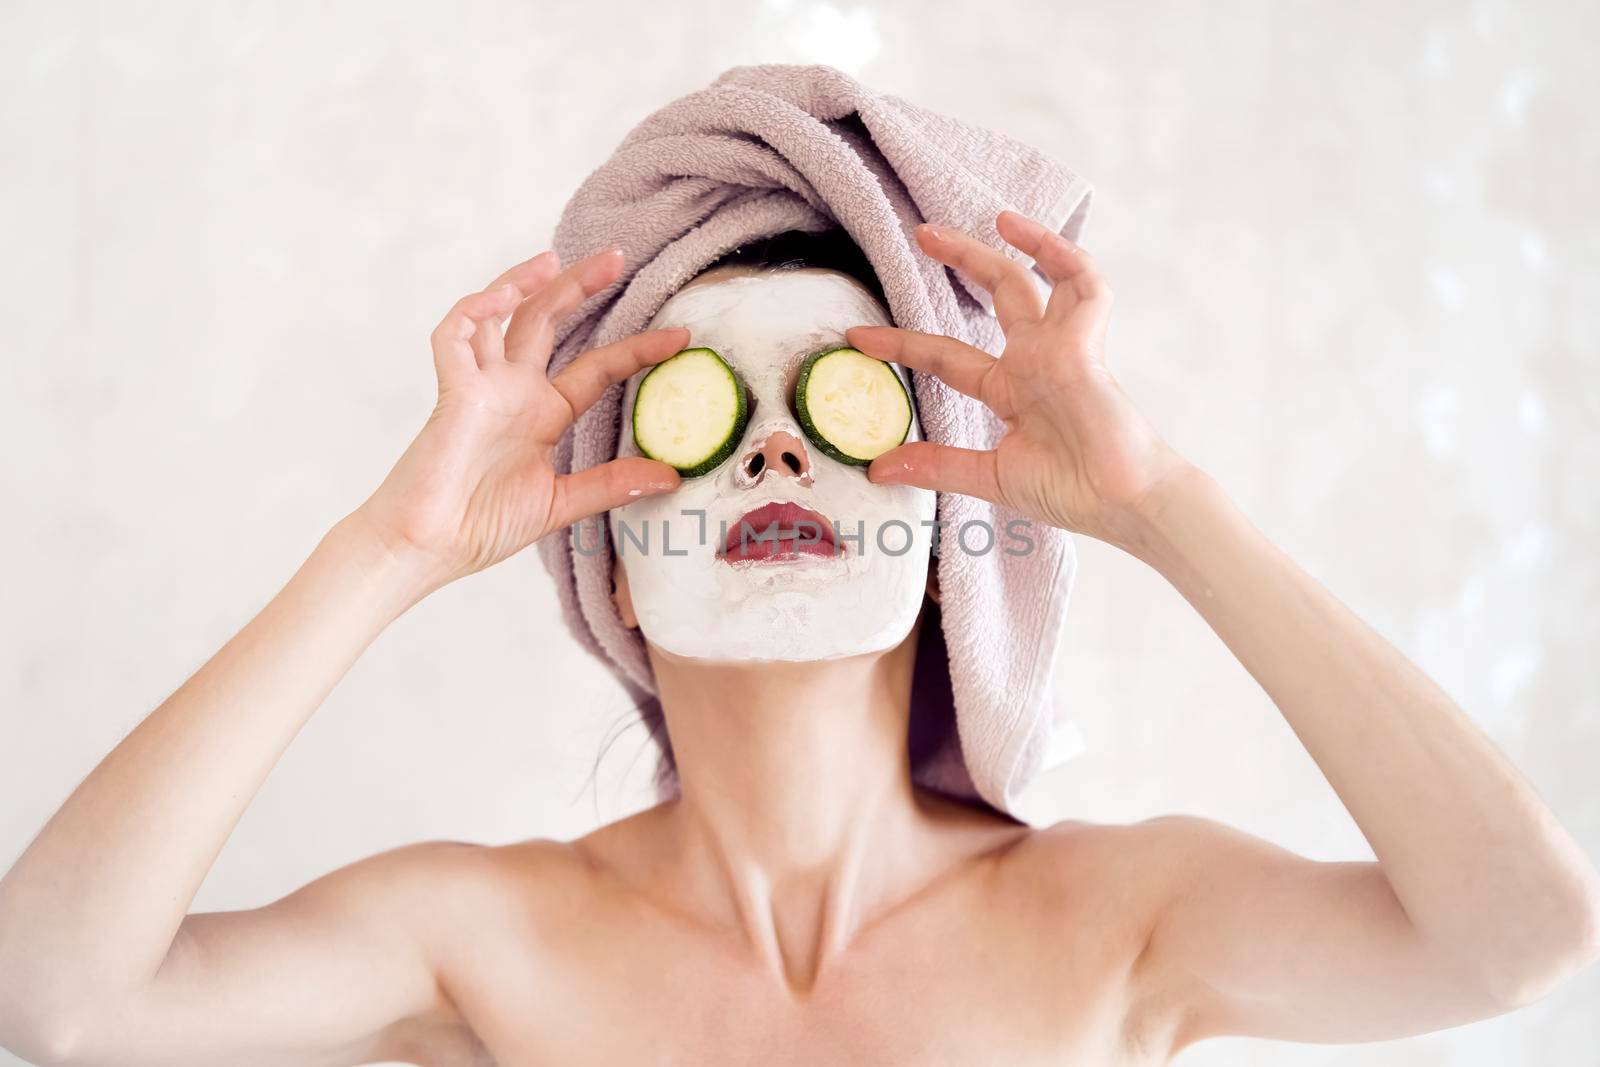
(797, 819)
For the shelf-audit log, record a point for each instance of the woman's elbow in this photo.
(39, 1028)
(1569, 942)
(44, 1042)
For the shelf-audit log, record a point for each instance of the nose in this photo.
(782, 453)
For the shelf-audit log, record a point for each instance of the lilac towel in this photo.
(765, 149)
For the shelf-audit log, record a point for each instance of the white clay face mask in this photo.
(702, 591)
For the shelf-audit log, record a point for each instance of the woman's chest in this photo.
(935, 988)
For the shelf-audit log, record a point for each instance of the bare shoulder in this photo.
(473, 891)
(477, 875)
(454, 900)
(459, 890)
(1126, 874)
(1085, 872)
(1157, 850)
(1123, 881)
(431, 885)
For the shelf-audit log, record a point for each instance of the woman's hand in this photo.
(1077, 454)
(477, 485)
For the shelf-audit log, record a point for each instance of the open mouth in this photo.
(780, 531)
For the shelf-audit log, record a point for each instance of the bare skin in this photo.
(802, 901)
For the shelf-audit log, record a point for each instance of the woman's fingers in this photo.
(454, 350)
(1016, 294)
(959, 365)
(583, 381)
(1072, 271)
(461, 342)
(488, 345)
(531, 334)
(530, 273)
(609, 485)
(944, 468)
(512, 287)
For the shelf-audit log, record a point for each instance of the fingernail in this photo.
(937, 233)
(466, 329)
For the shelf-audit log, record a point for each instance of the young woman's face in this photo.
(697, 596)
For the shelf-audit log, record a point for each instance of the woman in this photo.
(801, 901)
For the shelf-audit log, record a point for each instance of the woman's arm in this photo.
(1479, 901)
(90, 911)
(99, 962)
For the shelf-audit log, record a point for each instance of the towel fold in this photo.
(770, 148)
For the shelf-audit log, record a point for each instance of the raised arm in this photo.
(100, 961)
(1478, 901)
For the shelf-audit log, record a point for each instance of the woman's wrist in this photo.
(394, 573)
(1151, 531)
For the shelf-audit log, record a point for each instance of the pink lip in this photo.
(780, 531)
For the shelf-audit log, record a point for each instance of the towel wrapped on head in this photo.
(768, 149)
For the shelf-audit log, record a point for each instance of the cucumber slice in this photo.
(854, 407)
(690, 411)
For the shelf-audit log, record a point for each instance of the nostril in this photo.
(757, 462)
(791, 461)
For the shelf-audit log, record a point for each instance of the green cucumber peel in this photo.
(809, 418)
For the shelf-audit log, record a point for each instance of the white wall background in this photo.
(1355, 253)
